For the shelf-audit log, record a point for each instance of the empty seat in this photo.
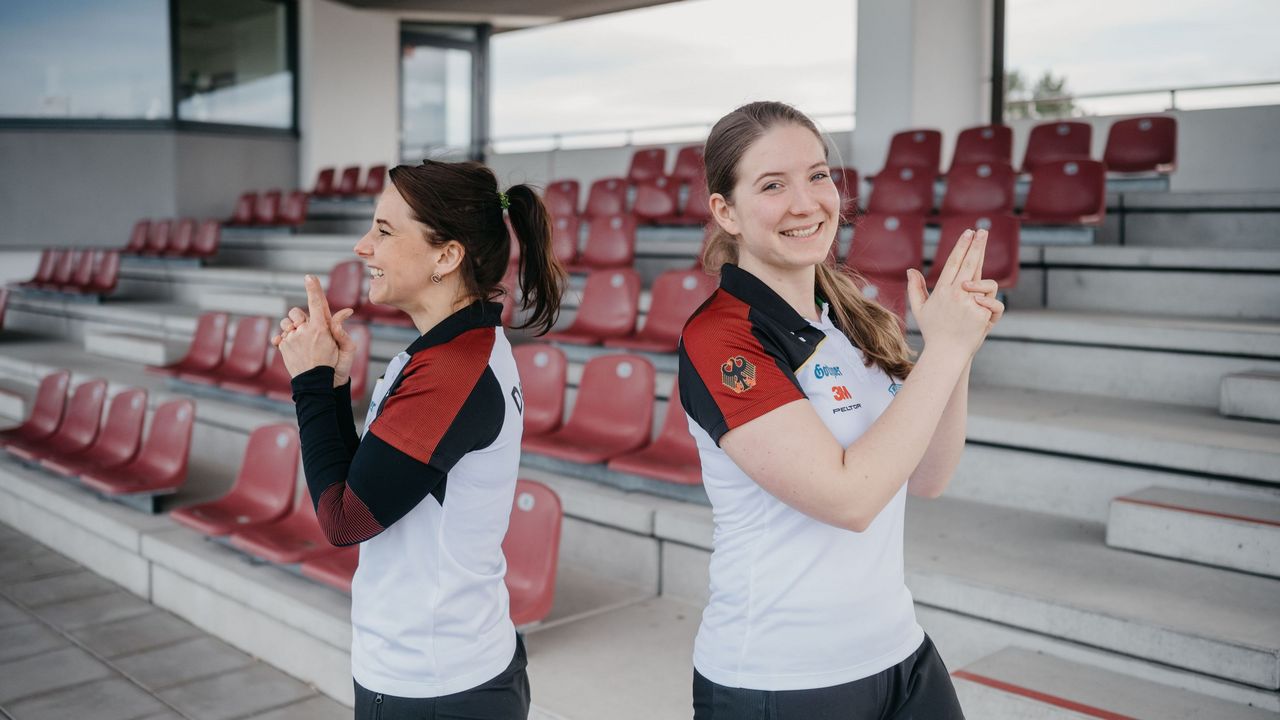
(267, 209)
(672, 456)
(106, 273)
(293, 213)
(920, 149)
(999, 262)
(204, 354)
(294, 538)
(117, 442)
(986, 187)
(246, 358)
(613, 413)
(62, 271)
(245, 208)
(348, 182)
(611, 243)
(696, 209)
(160, 467)
(208, 235)
(346, 280)
(46, 411)
(561, 198)
(647, 164)
(532, 549)
(657, 200)
(674, 296)
(543, 373)
(1142, 144)
(983, 144)
(689, 165)
(846, 182)
(1057, 141)
(609, 306)
(263, 489)
(180, 240)
(565, 231)
(902, 191)
(334, 569)
(607, 196)
(884, 247)
(79, 427)
(138, 238)
(324, 182)
(1067, 192)
(49, 259)
(375, 180)
(81, 271)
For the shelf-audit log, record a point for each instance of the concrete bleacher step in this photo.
(133, 346)
(1254, 394)
(1019, 683)
(242, 303)
(1224, 220)
(1218, 530)
(1147, 434)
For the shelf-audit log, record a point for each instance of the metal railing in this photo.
(1172, 92)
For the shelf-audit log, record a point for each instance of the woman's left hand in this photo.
(306, 341)
(984, 293)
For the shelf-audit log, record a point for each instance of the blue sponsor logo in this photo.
(894, 388)
(822, 371)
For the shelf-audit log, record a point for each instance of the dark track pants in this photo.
(506, 697)
(918, 688)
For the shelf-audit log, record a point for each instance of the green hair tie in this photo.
(503, 200)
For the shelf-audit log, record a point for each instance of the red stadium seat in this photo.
(1000, 263)
(647, 164)
(983, 144)
(565, 231)
(267, 209)
(293, 213)
(919, 149)
(697, 204)
(375, 180)
(846, 180)
(334, 569)
(613, 413)
(46, 411)
(674, 297)
(884, 246)
(81, 271)
(346, 281)
(63, 270)
(1056, 141)
(608, 308)
(986, 187)
(49, 259)
(295, 538)
(106, 273)
(204, 355)
(117, 443)
(608, 196)
(245, 208)
(1067, 192)
(324, 182)
(138, 238)
(532, 548)
(79, 427)
(689, 166)
(180, 241)
(205, 244)
(1142, 144)
(263, 490)
(245, 360)
(349, 182)
(4, 304)
(561, 198)
(902, 191)
(672, 457)
(161, 465)
(611, 243)
(543, 371)
(657, 200)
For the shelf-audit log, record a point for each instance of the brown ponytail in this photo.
(542, 280)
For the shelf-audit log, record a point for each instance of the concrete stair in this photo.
(1223, 531)
(1253, 394)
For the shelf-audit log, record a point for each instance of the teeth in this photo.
(802, 233)
(375, 272)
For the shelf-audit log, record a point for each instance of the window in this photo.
(437, 90)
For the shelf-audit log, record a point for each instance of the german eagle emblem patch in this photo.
(738, 374)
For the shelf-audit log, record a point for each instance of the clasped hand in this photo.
(963, 307)
(308, 341)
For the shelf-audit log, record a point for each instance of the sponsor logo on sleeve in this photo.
(823, 371)
(738, 374)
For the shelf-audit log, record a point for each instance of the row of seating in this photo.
(80, 271)
(183, 238)
(250, 365)
(647, 192)
(347, 185)
(270, 209)
(610, 304)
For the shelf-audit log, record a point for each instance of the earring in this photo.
(435, 278)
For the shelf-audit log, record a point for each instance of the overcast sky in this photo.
(694, 60)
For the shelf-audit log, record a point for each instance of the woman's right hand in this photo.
(950, 317)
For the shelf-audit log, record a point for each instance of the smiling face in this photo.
(785, 207)
(397, 254)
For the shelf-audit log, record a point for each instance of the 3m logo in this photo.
(738, 374)
(841, 393)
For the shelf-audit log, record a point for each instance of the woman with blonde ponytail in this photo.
(813, 423)
(427, 490)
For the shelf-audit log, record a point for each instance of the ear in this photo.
(724, 214)
(449, 257)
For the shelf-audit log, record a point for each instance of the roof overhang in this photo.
(503, 15)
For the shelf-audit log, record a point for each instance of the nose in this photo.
(364, 246)
(804, 201)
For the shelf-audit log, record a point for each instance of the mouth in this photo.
(375, 273)
(801, 233)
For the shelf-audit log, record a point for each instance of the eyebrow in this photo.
(380, 221)
(764, 175)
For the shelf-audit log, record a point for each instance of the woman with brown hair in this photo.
(812, 424)
(427, 490)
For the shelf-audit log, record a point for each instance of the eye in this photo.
(820, 175)
(383, 232)
(771, 186)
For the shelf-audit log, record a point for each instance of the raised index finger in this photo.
(979, 247)
(948, 274)
(316, 301)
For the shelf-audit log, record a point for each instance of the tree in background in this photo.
(1035, 99)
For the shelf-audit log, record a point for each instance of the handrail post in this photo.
(1173, 99)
